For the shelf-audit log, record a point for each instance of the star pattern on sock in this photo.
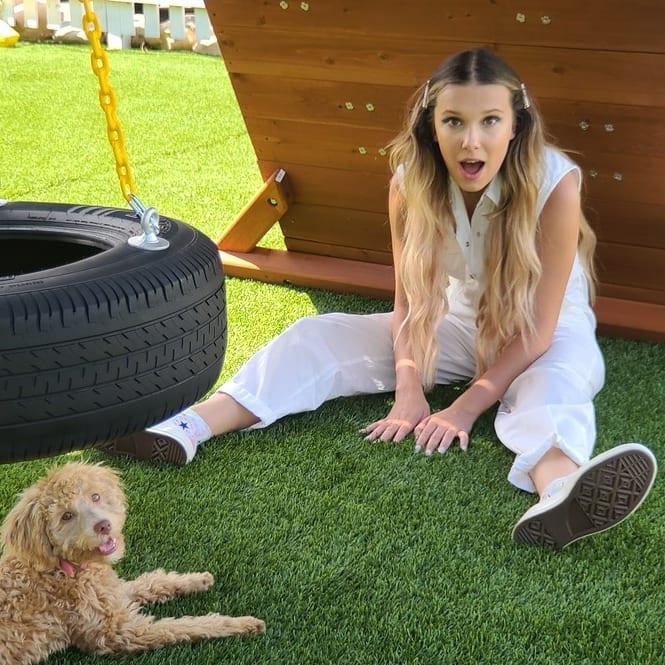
(183, 424)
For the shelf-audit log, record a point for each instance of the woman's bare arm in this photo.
(411, 406)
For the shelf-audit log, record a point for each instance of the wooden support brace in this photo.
(630, 319)
(255, 220)
(616, 317)
(322, 272)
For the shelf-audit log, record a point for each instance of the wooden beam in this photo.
(323, 272)
(616, 317)
(630, 319)
(258, 216)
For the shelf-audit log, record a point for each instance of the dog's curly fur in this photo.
(57, 585)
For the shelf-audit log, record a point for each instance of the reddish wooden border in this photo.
(616, 317)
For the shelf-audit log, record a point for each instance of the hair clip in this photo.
(425, 95)
(525, 97)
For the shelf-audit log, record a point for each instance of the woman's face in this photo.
(473, 125)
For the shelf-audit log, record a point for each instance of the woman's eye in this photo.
(452, 122)
(491, 120)
(67, 516)
(96, 498)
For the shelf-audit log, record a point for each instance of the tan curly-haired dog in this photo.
(57, 586)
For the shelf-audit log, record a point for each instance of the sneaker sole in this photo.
(602, 497)
(147, 446)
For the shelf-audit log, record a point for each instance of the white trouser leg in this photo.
(550, 404)
(314, 360)
(322, 357)
(456, 339)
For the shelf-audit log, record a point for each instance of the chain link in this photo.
(100, 67)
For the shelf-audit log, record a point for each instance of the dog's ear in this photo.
(23, 532)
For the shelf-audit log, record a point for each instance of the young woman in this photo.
(493, 282)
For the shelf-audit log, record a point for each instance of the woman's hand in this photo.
(438, 431)
(406, 413)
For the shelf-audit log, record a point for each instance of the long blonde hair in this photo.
(513, 267)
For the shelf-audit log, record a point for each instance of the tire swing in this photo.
(110, 320)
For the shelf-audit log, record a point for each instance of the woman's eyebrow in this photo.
(458, 113)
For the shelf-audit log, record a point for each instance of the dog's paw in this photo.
(250, 625)
(202, 581)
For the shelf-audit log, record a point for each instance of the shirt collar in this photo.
(492, 191)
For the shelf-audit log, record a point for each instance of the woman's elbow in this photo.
(540, 343)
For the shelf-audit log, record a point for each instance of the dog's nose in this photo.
(104, 526)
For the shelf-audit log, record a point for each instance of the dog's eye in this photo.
(67, 516)
(96, 498)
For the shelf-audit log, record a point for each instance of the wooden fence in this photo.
(116, 17)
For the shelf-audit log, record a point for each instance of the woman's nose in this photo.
(470, 138)
(103, 526)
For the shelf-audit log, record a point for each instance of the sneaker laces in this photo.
(553, 487)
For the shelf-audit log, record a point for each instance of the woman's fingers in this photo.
(387, 429)
(431, 433)
(390, 430)
(375, 430)
(403, 432)
(368, 428)
(435, 434)
(425, 432)
(446, 440)
(434, 439)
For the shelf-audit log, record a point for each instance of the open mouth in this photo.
(471, 168)
(108, 547)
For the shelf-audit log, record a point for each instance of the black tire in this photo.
(99, 339)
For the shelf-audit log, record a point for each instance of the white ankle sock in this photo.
(188, 423)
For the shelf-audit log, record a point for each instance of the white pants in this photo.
(322, 357)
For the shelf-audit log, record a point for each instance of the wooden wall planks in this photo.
(626, 26)
(324, 90)
(576, 74)
(578, 125)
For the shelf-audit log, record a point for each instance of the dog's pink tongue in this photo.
(67, 567)
(108, 547)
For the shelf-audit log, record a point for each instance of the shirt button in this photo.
(478, 233)
(467, 243)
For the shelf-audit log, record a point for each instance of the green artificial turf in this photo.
(352, 552)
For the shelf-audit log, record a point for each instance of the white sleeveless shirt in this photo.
(466, 256)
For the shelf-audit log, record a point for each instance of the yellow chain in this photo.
(100, 67)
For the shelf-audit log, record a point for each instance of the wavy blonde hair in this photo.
(513, 267)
